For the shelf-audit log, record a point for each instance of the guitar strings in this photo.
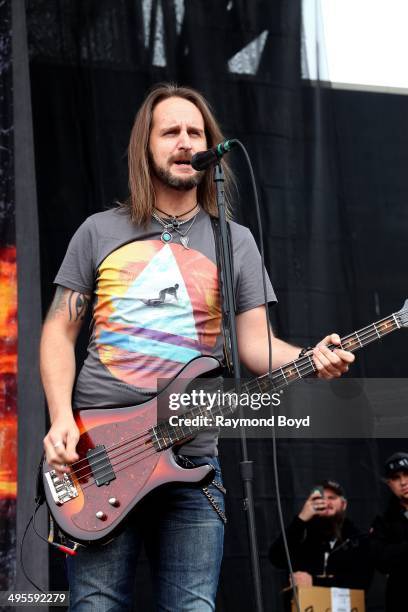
(281, 376)
(361, 339)
(142, 452)
(124, 460)
(92, 484)
(301, 369)
(146, 450)
(309, 366)
(106, 459)
(141, 458)
(305, 361)
(115, 445)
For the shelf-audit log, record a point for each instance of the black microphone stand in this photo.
(246, 466)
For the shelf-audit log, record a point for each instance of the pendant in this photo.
(166, 237)
(184, 241)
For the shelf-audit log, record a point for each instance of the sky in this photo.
(364, 42)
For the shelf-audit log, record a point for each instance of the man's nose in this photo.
(184, 141)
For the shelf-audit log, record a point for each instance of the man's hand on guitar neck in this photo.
(331, 363)
(254, 350)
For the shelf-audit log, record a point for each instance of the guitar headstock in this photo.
(402, 315)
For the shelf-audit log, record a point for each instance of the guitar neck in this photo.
(165, 435)
(304, 366)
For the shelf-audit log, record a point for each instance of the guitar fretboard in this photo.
(165, 435)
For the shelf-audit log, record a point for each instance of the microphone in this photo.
(205, 159)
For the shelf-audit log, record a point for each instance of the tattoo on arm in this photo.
(77, 304)
(59, 302)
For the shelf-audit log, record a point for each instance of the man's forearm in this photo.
(57, 363)
(283, 352)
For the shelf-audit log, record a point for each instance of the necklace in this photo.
(170, 221)
(177, 216)
(167, 236)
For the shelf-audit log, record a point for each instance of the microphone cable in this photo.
(274, 438)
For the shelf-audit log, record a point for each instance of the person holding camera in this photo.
(326, 548)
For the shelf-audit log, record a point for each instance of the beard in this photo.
(330, 526)
(180, 183)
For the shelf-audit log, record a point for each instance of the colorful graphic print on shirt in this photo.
(157, 308)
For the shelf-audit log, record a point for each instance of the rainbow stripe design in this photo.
(157, 308)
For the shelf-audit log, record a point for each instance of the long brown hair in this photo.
(142, 197)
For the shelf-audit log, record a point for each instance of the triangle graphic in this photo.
(143, 305)
(247, 60)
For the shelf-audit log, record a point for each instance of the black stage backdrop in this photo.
(331, 171)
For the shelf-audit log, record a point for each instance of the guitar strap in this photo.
(226, 321)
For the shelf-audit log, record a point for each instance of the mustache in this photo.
(180, 158)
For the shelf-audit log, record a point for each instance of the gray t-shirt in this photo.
(156, 306)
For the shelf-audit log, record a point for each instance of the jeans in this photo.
(183, 538)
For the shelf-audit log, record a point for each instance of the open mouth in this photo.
(183, 162)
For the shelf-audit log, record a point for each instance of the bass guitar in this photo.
(125, 453)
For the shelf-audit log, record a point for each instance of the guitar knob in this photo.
(114, 502)
(100, 515)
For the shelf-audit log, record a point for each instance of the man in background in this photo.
(326, 548)
(389, 534)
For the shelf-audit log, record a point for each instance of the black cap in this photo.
(334, 486)
(396, 463)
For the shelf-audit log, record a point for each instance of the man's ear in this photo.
(389, 483)
(344, 504)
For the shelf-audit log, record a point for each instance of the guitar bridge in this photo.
(62, 489)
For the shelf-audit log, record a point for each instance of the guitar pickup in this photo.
(100, 465)
(62, 488)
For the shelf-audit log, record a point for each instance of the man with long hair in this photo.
(149, 269)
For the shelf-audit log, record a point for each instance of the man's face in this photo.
(335, 504)
(177, 133)
(398, 484)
